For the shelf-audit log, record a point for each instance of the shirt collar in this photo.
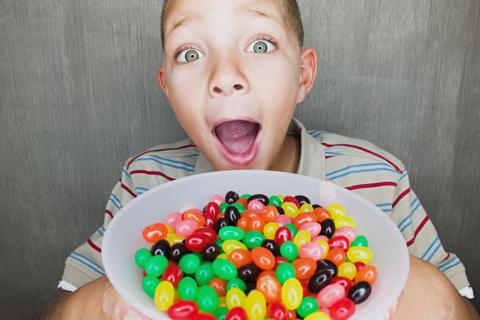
(312, 154)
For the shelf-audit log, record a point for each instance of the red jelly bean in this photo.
(283, 234)
(279, 260)
(237, 313)
(211, 211)
(182, 310)
(208, 232)
(344, 282)
(155, 232)
(339, 242)
(219, 285)
(342, 309)
(173, 273)
(277, 311)
(292, 200)
(197, 242)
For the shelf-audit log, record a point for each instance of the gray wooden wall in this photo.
(78, 95)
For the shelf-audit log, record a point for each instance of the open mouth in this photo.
(238, 140)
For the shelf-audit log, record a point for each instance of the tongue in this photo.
(237, 136)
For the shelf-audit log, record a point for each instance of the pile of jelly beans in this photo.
(257, 257)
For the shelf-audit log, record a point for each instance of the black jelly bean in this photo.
(328, 266)
(232, 215)
(249, 272)
(302, 199)
(250, 286)
(177, 251)
(280, 210)
(272, 246)
(316, 206)
(319, 281)
(220, 223)
(359, 292)
(260, 197)
(231, 197)
(211, 252)
(328, 228)
(161, 248)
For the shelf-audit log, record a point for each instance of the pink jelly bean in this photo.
(283, 220)
(330, 294)
(313, 227)
(186, 227)
(174, 218)
(256, 205)
(217, 198)
(320, 237)
(325, 310)
(312, 250)
(347, 232)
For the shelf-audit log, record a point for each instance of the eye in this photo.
(261, 46)
(189, 55)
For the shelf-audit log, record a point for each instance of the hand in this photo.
(115, 308)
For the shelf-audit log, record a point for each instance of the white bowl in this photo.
(124, 234)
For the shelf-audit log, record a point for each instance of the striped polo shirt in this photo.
(354, 164)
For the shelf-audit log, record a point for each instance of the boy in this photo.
(233, 73)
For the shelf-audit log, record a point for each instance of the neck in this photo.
(288, 157)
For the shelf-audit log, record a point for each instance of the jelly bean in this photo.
(344, 282)
(272, 246)
(314, 228)
(260, 197)
(232, 215)
(336, 210)
(236, 313)
(156, 265)
(149, 283)
(269, 286)
(173, 274)
(211, 252)
(302, 199)
(367, 274)
(186, 227)
(347, 270)
(142, 256)
(220, 313)
(256, 205)
(361, 254)
(229, 245)
(292, 228)
(347, 232)
(290, 209)
(223, 206)
(207, 299)
(312, 250)
(359, 292)
(345, 222)
(283, 220)
(177, 251)
(306, 207)
(317, 316)
(210, 233)
(154, 232)
(174, 238)
(189, 263)
(276, 310)
(337, 256)
(279, 260)
(339, 242)
(360, 241)
(212, 207)
(283, 234)
(240, 207)
(342, 309)
(263, 258)
(164, 295)
(292, 200)
(224, 269)
(269, 214)
(308, 306)
(284, 272)
(203, 316)
(187, 289)
(220, 223)
(269, 230)
(218, 199)
(204, 274)
(256, 223)
(288, 250)
(330, 294)
(243, 223)
(253, 239)
(231, 197)
(222, 256)
(274, 201)
(304, 268)
(249, 273)
(194, 214)
(162, 248)
(328, 228)
(304, 217)
(240, 257)
(250, 286)
(197, 242)
(321, 214)
(182, 310)
(231, 233)
(235, 298)
(236, 283)
(325, 246)
(292, 294)
(327, 265)
(256, 305)
(219, 285)
(319, 281)
(173, 218)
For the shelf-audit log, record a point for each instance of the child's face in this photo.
(232, 89)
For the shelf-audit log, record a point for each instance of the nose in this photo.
(227, 79)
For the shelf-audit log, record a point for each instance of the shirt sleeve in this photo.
(84, 264)
(422, 238)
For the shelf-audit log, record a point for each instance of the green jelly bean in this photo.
(187, 288)
(231, 233)
(236, 283)
(204, 274)
(253, 239)
(360, 241)
(274, 201)
(240, 207)
(149, 283)
(207, 299)
(141, 257)
(292, 229)
(284, 272)
(223, 206)
(308, 306)
(156, 265)
(224, 269)
(189, 263)
(289, 250)
(220, 313)
(245, 195)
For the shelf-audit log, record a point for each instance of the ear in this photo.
(308, 73)
(162, 81)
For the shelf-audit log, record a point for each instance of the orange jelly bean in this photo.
(194, 214)
(256, 224)
(263, 258)
(304, 217)
(155, 232)
(304, 268)
(240, 257)
(249, 213)
(243, 223)
(219, 285)
(243, 202)
(268, 284)
(269, 214)
(321, 214)
(367, 274)
(337, 256)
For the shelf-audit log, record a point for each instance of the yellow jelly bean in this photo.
(169, 228)
(336, 210)
(318, 316)
(269, 230)
(164, 295)
(281, 196)
(222, 302)
(306, 207)
(326, 247)
(235, 298)
(231, 245)
(222, 256)
(292, 294)
(256, 305)
(302, 237)
(344, 221)
(362, 254)
(347, 270)
(174, 238)
(290, 209)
